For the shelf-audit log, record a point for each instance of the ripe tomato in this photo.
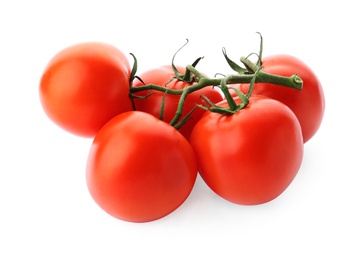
(252, 156)
(308, 104)
(152, 104)
(140, 168)
(84, 86)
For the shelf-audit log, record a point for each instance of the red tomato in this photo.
(84, 86)
(162, 75)
(140, 168)
(252, 156)
(308, 104)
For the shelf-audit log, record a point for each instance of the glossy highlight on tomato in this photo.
(84, 86)
(140, 168)
(252, 156)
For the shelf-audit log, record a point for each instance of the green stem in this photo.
(194, 71)
(293, 81)
(180, 107)
(204, 82)
(231, 103)
(156, 87)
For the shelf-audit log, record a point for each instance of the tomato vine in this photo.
(251, 73)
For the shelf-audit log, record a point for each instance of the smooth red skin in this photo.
(139, 168)
(252, 156)
(308, 104)
(84, 86)
(160, 76)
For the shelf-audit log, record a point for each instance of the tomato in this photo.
(140, 168)
(251, 156)
(84, 86)
(152, 104)
(308, 104)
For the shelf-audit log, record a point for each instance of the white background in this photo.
(46, 210)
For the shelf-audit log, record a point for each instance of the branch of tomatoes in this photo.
(251, 73)
(238, 155)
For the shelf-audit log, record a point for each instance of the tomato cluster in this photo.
(154, 132)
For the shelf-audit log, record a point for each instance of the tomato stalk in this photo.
(252, 73)
(293, 81)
